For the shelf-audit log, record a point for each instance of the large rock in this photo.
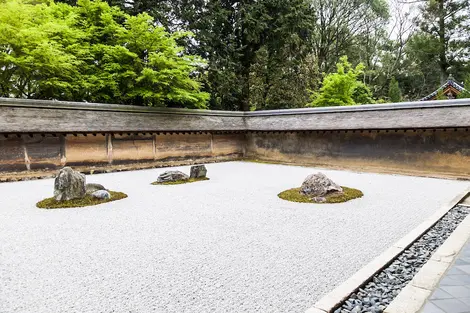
(92, 187)
(318, 185)
(198, 171)
(170, 176)
(69, 185)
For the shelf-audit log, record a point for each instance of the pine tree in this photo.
(445, 23)
(394, 92)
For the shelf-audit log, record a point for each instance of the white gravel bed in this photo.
(224, 245)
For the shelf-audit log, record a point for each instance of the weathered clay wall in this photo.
(42, 152)
(431, 152)
(419, 138)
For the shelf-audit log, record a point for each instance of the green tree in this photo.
(237, 36)
(93, 52)
(445, 23)
(35, 44)
(254, 49)
(362, 94)
(136, 61)
(466, 92)
(440, 95)
(281, 79)
(347, 27)
(343, 87)
(394, 92)
(383, 49)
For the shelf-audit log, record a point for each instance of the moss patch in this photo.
(182, 181)
(88, 200)
(294, 195)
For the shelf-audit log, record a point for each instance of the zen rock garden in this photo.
(317, 188)
(197, 173)
(229, 242)
(71, 190)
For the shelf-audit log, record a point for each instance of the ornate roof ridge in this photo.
(450, 82)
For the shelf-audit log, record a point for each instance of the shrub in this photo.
(343, 87)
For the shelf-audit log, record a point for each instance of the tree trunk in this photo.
(443, 64)
(245, 81)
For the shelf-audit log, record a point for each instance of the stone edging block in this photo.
(430, 274)
(409, 300)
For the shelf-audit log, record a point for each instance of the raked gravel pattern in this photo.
(223, 245)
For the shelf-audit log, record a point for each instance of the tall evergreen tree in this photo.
(231, 35)
(394, 92)
(238, 38)
(445, 25)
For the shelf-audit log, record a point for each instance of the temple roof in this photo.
(449, 84)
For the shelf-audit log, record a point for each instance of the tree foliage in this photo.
(343, 87)
(466, 92)
(252, 49)
(440, 95)
(93, 52)
(394, 92)
(245, 54)
(445, 24)
(346, 27)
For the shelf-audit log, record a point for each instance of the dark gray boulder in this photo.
(170, 176)
(69, 185)
(318, 185)
(198, 171)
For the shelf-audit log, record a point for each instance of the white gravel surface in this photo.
(224, 245)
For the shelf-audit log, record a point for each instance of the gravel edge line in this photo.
(414, 295)
(340, 294)
(386, 285)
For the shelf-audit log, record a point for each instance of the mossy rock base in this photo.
(182, 181)
(294, 195)
(88, 200)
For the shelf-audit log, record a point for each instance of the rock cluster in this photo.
(101, 194)
(170, 176)
(91, 188)
(318, 186)
(197, 171)
(376, 295)
(69, 185)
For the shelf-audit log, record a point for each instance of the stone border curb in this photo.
(333, 299)
(412, 298)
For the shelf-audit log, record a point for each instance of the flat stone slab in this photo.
(452, 293)
(228, 245)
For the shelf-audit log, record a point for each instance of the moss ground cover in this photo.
(294, 195)
(88, 200)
